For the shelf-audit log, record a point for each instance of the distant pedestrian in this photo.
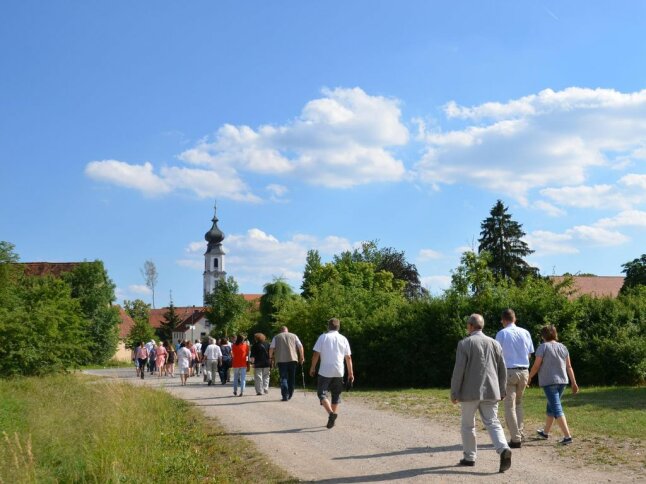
(517, 346)
(194, 358)
(170, 361)
(553, 366)
(259, 356)
(213, 359)
(150, 346)
(160, 358)
(183, 362)
(478, 383)
(332, 348)
(226, 360)
(142, 357)
(286, 350)
(240, 352)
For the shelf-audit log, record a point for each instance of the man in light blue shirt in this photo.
(517, 346)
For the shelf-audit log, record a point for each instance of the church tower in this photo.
(214, 256)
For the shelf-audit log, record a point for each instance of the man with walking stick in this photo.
(332, 349)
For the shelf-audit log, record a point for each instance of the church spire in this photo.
(214, 236)
(214, 256)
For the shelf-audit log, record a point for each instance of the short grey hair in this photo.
(333, 324)
(476, 320)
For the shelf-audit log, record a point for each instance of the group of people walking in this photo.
(488, 370)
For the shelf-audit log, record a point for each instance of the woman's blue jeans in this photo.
(554, 394)
(239, 374)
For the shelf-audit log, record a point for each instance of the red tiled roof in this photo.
(156, 316)
(48, 268)
(594, 286)
(126, 323)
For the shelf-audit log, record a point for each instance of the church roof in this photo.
(214, 236)
(593, 286)
(48, 268)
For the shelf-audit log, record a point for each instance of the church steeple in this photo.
(214, 236)
(214, 256)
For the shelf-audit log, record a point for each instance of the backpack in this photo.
(226, 354)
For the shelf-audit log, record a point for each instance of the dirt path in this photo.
(366, 445)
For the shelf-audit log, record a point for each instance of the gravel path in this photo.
(366, 445)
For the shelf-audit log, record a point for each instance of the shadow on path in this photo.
(286, 431)
(409, 473)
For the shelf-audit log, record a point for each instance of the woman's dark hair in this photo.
(548, 333)
(182, 344)
(166, 344)
(224, 341)
(239, 339)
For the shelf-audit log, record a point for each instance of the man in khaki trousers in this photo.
(517, 346)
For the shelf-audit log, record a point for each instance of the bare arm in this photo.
(570, 372)
(537, 366)
(348, 362)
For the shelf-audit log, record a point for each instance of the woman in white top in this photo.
(183, 362)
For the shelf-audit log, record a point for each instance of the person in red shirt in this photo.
(240, 352)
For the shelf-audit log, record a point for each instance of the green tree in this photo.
(635, 271)
(312, 273)
(225, 308)
(94, 290)
(169, 324)
(390, 260)
(502, 238)
(139, 311)
(274, 295)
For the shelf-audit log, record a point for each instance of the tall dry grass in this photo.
(68, 428)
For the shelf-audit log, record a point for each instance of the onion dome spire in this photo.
(214, 236)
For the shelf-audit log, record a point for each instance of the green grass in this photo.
(70, 428)
(609, 423)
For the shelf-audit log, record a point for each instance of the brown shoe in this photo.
(514, 445)
(468, 463)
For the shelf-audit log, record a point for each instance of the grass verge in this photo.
(73, 428)
(608, 423)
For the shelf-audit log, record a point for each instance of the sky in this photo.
(319, 125)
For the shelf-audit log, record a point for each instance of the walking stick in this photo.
(303, 376)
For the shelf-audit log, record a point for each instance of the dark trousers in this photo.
(224, 371)
(287, 372)
(142, 366)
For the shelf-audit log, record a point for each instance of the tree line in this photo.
(401, 335)
(50, 324)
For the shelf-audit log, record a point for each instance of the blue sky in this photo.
(319, 125)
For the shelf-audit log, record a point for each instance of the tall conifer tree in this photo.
(502, 238)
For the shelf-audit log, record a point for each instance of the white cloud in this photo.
(568, 242)
(436, 283)
(627, 218)
(549, 209)
(429, 254)
(545, 242)
(198, 247)
(139, 177)
(339, 141)
(551, 138)
(256, 257)
(139, 289)
(277, 190)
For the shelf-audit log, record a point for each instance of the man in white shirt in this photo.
(517, 346)
(332, 349)
(213, 359)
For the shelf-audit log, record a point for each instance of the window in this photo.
(215, 263)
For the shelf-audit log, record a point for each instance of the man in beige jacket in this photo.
(286, 350)
(478, 383)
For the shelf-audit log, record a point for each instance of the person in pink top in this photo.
(194, 357)
(160, 358)
(142, 357)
